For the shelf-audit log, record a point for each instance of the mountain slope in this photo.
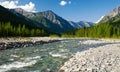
(112, 16)
(52, 22)
(75, 25)
(48, 20)
(13, 21)
(104, 30)
(14, 18)
(56, 19)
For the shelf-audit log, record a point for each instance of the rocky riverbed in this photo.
(8, 43)
(102, 56)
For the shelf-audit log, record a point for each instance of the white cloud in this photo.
(9, 4)
(63, 3)
(30, 7)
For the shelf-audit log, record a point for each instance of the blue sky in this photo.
(74, 10)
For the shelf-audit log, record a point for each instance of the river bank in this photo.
(68, 54)
(9, 43)
(102, 56)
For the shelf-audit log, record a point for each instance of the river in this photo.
(43, 58)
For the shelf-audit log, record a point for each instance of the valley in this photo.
(49, 41)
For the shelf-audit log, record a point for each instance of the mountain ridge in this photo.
(112, 16)
(54, 20)
(48, 20)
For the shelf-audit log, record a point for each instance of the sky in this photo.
(71, 10)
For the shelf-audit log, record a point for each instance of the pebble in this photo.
(104, 58)
(25, 42)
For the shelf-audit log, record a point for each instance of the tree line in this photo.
(8, 30)
(105, 30)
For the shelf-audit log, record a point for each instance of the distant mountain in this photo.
(48, 20)
(113, 16)
(81, 24)
(85, 24)
(75, 25)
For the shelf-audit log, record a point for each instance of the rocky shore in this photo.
(103, 57)
(9, 43)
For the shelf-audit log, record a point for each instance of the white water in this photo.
(26, 62)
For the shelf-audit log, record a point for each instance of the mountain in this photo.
(22, 12)
(81, 24)
(85, 24)
(75, 25)
(48, 20)
(107, 27)
(52, 22)
(15, 24)
(112, 16)
(101, 30)
(99, 19)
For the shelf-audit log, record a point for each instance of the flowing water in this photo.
(43, 58)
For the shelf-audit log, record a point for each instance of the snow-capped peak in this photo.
(99, 19)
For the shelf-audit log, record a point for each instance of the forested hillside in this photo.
(14, 24)
(108, 27)
(105, 30)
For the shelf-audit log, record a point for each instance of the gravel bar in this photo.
(104, 58)
(9, 43)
